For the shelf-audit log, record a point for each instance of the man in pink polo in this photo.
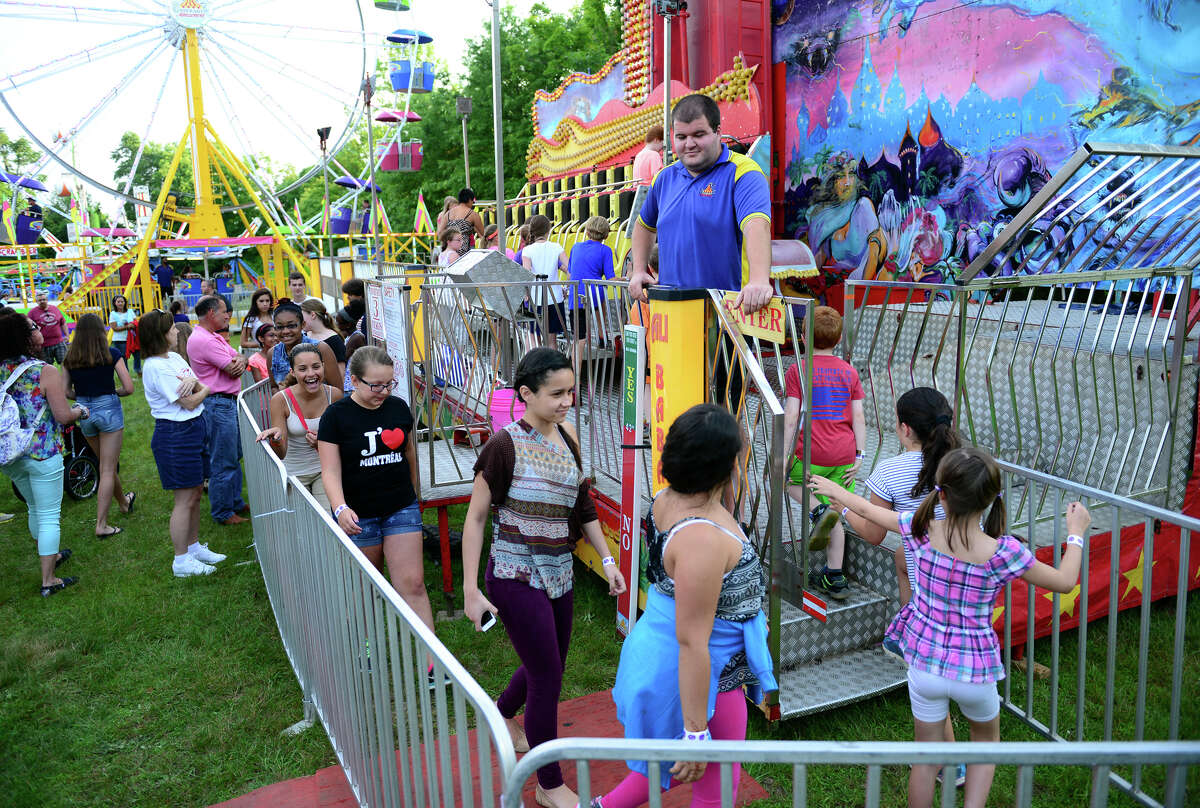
(217, 365)
(50, 321)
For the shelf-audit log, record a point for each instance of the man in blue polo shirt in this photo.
(712, 213)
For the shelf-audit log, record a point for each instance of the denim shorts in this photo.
(179, 452)
(397, 523)
(104, 414)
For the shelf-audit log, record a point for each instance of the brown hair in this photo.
(654, 133)
(597, 228)
(523, 234)
(968, 481)
(183, 332)
(827, 328)
(152, 332)
(317, 308)
(89, 345)
(449, 235)
(539, 227)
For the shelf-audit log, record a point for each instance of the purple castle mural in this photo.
(918, 128)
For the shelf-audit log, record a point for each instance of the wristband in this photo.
(860, 453)
(702, 735)
(338, 510)
(1075, 540)
(845, 511)
(608, 561)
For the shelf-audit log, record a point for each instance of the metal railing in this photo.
(1086, 376)
(1087, 695)
(1097, 759)
(360, 653)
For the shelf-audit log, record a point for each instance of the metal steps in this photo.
(838, 680)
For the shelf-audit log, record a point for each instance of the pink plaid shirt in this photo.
(946, 629)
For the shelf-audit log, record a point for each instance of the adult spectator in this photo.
(166, 279)
(355, 291)
(41, 401)
(546, 260)
(261, 303)
(319, 325)
(464, 218)
(176, 398)
(369, 470)
(123, 323)
(296, 413)
(179, 308)
(88, 378)
(649, 161)
(219, 367)
(289, 319)
(207, 288)
(711, 210)
(50, 321)
(298, 287)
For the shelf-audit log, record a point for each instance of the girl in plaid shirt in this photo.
(946, 632)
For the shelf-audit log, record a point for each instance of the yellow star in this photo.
(997, 613)
(1134, 576)
(1196, 577)
(1066, 605)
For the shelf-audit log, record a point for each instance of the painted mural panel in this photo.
(918, 128)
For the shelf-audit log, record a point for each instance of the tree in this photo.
(151, 169)
(17, 156)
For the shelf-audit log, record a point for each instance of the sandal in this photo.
(54, 589)
(112, 531)
(63, 554)
(129, 500)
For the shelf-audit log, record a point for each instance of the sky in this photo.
(274, 71)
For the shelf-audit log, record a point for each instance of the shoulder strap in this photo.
(682, 523)
(16, 374)
(287, 391)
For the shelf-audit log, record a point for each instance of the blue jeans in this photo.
(41, 484)
(224, 457)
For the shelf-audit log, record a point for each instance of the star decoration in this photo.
(1066, 605)
(1134, 576)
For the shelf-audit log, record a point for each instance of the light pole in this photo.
(498, 123)
(462, 106)
(326, 216)
(368, 89)
(667, 9)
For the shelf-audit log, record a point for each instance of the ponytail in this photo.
(928, 414)
(925, 514)
(996, 523)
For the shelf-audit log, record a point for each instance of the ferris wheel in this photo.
(265, 75)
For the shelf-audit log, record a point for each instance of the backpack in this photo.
(14, 436)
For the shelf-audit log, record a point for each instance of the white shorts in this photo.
(930, 697)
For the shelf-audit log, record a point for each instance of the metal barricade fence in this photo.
(360, 654)
(1086, 696)
(1098, 759)
(1087, 376)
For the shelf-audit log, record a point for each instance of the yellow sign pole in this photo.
(676, 360)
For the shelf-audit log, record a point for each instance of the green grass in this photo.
(135, 688)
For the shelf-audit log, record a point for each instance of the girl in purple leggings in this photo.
(530, 476)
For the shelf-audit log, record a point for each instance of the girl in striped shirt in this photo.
(963, 562)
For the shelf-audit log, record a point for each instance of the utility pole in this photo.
(327, 215)
(368, 89)
(463, 106)
(668, 10)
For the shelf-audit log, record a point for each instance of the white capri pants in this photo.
(930, 697)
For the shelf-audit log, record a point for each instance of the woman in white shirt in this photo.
(546, 260)
(176, 399)
(121, 321)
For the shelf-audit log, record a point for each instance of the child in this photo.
(546, 260)
(452, 248)
(839, 432)
(946, 629)
(590, 260)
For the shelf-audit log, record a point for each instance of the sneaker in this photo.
(7, 517)
(190, 565)
(432, 678)
(822, 527)
(960, 775)
(892, 648)
(835, 585)
(200, 552)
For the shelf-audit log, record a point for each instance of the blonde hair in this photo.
(596, 228)
(448, 203)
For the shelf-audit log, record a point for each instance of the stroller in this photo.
(81, 467)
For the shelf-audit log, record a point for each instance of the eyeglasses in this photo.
(381, 387)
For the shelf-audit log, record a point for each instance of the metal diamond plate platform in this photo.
(839, 680)
(853, 623)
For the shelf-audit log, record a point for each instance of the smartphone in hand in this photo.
(486, 621)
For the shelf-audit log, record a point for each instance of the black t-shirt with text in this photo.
(376, 479)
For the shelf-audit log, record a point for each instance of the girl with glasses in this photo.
(370, 474)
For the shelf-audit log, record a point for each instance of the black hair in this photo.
(297, 275)
(176, 306)
(207, 303)
(968, 483)
(533, 370)
(466, 195)
(262, 329)
(16, 334)
(694, 106)
(928, 414)
(254, 301)
(288, 308)
(355, 287)
(700, 450)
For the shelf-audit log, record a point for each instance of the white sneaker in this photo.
(200, 552)
(190, 565)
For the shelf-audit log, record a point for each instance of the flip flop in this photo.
(63, 554)
(112, 531)
(130, 498)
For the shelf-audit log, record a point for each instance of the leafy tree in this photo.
(151, 169)
(16, 156)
